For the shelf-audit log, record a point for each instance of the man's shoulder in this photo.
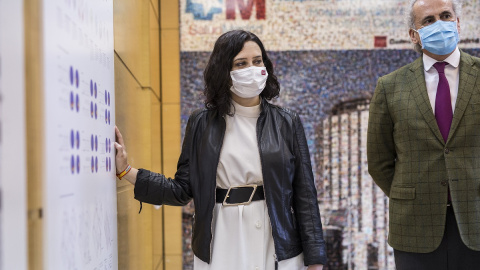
(470, 58)
(404, 71)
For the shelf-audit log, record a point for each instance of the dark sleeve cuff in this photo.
(141, 184)
(315, 255)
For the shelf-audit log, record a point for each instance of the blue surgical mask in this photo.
(439, 38)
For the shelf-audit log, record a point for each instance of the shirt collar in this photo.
(253, 111)
(453, 60)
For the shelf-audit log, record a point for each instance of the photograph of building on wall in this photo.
(355, 210)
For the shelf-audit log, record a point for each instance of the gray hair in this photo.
(410, 17)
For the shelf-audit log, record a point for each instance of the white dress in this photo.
(242, 235)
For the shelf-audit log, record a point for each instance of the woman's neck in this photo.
(246, 102)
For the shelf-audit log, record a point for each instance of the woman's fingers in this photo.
(121, 153)
(119, 136)
(120, 158)
(119, 147)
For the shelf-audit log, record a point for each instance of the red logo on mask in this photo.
(264, 72)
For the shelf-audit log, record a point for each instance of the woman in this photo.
(246, 164)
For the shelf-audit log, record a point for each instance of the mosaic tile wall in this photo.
(315, 84)
(328, 55)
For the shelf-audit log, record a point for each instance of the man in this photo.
(423, 145)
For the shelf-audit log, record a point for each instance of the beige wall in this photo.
(147, 85)
(34, 114)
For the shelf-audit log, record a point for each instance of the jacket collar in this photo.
(468, 75)
(264, 106)
(417, 86)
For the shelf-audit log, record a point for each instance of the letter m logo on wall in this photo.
(245, 7)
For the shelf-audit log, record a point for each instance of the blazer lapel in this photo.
(468, 74)
(419, 90)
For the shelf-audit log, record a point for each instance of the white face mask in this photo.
(248, 82)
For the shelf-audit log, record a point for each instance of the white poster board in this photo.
(13, 189)
(80, 187)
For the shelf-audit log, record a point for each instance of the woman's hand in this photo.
(121, 161)
(121, 157)
(315, 267)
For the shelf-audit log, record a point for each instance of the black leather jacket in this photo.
(289, 188)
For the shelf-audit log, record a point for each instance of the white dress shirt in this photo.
(451, 72)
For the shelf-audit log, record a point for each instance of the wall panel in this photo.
(13, 154)
(133, 116)
(173, 215)
(134, 121)
(34, 114)
(170, 66)
(135, 232)
(131, 20)
(154, 5)
(154, 57)
(169, 14)
(139, 112)
(157, 236)
(156, 134)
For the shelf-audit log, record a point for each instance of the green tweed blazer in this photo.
(409, 160)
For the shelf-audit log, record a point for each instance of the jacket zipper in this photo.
(270, 223)
(211, 226)
(215, 193)
(264, 192)
(294, 219)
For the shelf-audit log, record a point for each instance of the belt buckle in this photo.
(243, 203)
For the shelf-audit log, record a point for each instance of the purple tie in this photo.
(443, 102)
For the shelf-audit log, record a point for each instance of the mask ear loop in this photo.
(456, 29)
(420, 41)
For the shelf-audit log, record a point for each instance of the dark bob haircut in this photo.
(217, 73)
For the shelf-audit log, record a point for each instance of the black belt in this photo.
(240, 195)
